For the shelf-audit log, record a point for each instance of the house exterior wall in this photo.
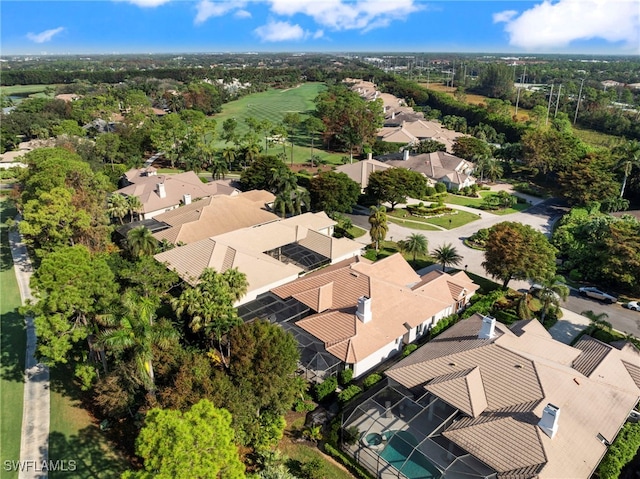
(346, 256)
(382, 354)
(151, 214)
(254, 293)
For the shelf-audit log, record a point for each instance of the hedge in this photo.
(349, 393)
(325, 388)
(355, 468)
(371, 380)
(621, 452)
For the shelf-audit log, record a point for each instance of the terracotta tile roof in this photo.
(214, 216)
(360, 170)
(594, 385)
(393, 304)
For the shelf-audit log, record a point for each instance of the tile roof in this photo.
(214, 216)
(360, 170)
(394, 304)
(437, 165)
(594, 385)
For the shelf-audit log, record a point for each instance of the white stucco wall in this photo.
(376, 358)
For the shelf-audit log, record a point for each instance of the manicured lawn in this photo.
(299, 453)
(356, 231)
(272, 105)
(12, 352)
(74, 435)
(476, 202)
(25, 91)
(387, 248)
(448, 221)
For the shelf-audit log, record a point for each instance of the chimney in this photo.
(487, 330)
(186, 199)
(405, 155)
(393, 115)
(161, 191)
(364, 309)
(549, 420)
(369, 156)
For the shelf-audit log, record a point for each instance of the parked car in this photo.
(595, 293)
(635, 305)
(536, 289)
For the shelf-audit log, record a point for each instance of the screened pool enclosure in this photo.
(400, 436)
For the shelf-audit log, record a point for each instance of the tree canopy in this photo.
(333, 192)
(517, 251)
(394, 185)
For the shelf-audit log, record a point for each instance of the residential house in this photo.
(483, 400)
(364, 313)
(359, 171)
(439, 166)
(214, 216)
(161, 193)
(270, 254)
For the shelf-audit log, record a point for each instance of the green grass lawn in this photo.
(12, 352)
(25, 91)
(476, 202)
(272, 105)
(449, 221)
(356, 231)
(387, 248)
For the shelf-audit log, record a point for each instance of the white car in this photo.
(635, 305)
(595, 293)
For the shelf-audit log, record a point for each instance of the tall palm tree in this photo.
(141, 242)
(117, 207)
(282, 203)
(629, 154)
(229, 155)
(552, 290)
(219, 168)
(379, 225)
(416, 244)
(301, 198)
(250, 153)
(135, 206)
(136, 332)
(597, 321)
(447, 255)
(493, 169)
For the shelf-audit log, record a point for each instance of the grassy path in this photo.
(12, 356)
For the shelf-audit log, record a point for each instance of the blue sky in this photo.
(155, 26)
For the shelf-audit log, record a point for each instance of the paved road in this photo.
(541, 215)
(34, 443)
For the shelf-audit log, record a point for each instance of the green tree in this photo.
(117, 207)
(135, 331)
(209, 305)
(447, 255)
(379, 225)
(140, 242)
(333, 192)
(260, 175)
(469, 147)
(135, 206)
(496, 81)
(394, 185)
(313, 126)
(72, 287)
(597, 321)
(108, 148)
(517, 251)
(197, 443)
(551, 292)
(589, 179)
(628, 155)
(229, 130)
(430, 146)
(415, 244)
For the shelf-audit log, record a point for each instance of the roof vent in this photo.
(487, 330)
(364, 309)
(405, 155)
(549, 420)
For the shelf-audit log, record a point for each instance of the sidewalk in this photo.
(34, 442)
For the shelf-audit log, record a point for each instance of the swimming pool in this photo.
(400, 453)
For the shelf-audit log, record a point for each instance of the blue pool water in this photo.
(399, 448)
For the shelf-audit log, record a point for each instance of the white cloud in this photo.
(505, 16)
(318, 34)
(207, 9)
(45, 36)
(343, 15)
(148, 3)
(280, 31)
(242, 14)
(549, 26)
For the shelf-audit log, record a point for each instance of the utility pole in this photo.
(575, 117)
(517, 101)
(549, 105)
(558, 100)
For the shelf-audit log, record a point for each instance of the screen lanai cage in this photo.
(315, 363)
(395, 435)
(299, 255)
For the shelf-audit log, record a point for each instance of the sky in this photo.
(36, 27)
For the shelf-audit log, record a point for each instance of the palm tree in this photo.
(136, 332)
(282, 203)
(551, 291)
(630, 157)
(379, 225)
(492, 169)
(229, 155)
(447, 255)
(250, 153)
(117, 207)
(597, 321)
(219, 168)
(301, 198)
(141, 242)
(416, 244)
(135, 206)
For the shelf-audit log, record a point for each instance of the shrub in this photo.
(575, 275)
(408, 349)
(483, 304)
(621, 452)
(355, 468)
(372, 379)
(371, 254)
(441, 188)
(303, 405)
(349, 393)
(443, 324)
(346, 375)
(325, 388)
(350, 435)
(314, 469)
(431, 191)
